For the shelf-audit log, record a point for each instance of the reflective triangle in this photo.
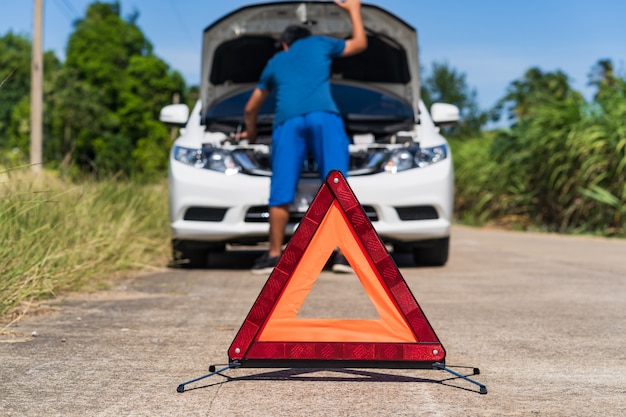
(273, 332)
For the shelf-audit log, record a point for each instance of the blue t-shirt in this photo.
(301, 75)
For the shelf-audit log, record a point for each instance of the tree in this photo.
(110, 61)
(447, 85)
(15, 74)
(602, 76)
(608, 83)
(535, 88)
(15, 62)
(74, 110)
(150, 86)
(101, 47)
(567, 155)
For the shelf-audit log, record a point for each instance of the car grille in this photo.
(260, 214)
(364, 162)
(417, 213)
(205, 214)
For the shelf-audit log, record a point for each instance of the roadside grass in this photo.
(566, 180)
(483, 195)
(60, 237)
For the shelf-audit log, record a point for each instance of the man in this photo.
(307, 118)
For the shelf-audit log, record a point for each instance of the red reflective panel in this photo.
(392, 352)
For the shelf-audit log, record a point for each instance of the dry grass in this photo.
(59, 237)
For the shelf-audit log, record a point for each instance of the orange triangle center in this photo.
(283, 325)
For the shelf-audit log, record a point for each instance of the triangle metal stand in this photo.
(212, 370)
(438, 366)
(442, 367)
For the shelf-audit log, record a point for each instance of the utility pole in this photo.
(36, 90)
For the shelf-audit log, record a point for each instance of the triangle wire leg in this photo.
(181, 387)
(442, 367)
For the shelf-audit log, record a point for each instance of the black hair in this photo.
(293, 33)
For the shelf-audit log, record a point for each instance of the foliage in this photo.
(101, 48)
(15, 73)
(536, 87)
(101, 104)
(60, 236)
(114, 63)
(75, 111)
(447, 85)
(559, 167)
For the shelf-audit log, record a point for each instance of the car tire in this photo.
(431, 252)
(191, 254)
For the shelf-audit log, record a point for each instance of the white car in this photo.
(401, 167)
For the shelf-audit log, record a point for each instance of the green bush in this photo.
(561, 168)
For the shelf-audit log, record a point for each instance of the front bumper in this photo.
(409, 206)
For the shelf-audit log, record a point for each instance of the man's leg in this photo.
(288, 152)
(330, 145)
(279, 216)
(329, 142)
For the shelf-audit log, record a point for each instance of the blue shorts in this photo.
(321, 134)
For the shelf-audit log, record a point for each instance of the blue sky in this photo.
(493, 42)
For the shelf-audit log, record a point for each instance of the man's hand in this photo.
(358, 42)
(248, 135)
(250, 114)
(349, 4)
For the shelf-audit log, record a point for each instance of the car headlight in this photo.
(215, 159)
(415, 157)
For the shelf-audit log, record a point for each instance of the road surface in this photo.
(542, 316)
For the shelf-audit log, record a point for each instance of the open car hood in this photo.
(237, 47)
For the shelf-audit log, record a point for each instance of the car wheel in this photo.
(191, 254)
(432, 252)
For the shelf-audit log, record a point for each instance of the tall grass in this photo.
(483, 195)
(562, 169)
(59, 236)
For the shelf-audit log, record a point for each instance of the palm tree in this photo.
(446, 85)
(534, 88)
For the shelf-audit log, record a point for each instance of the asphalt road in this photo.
(541, 316)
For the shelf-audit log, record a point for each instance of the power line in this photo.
(70, 7)
(67, 10)
(181, 22)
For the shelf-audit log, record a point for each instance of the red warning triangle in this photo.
(272, 334)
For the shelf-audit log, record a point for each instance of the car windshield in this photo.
(363, 109)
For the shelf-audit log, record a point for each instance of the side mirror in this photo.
(174, 114)
(444, 114)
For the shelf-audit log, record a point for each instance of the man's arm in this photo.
(358, 42)
(251, 112)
